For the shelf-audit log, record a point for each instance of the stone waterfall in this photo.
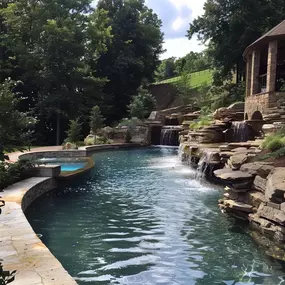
(170, 135)
(240, 132)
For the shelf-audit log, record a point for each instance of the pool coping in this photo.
(20, 248)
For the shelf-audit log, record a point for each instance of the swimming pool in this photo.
(66, 165)
(141, 218)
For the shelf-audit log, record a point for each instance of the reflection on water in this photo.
(141, 218)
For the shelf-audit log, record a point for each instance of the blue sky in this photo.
(176, 16)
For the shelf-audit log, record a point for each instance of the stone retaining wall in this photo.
(52, 154)
(254, 192)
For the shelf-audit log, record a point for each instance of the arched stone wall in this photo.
(257, 116)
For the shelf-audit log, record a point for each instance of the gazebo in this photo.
(265, 77)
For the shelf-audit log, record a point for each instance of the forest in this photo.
(59, 59)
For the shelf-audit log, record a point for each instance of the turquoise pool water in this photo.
(71, 166)
(140, 218)
(65, 165)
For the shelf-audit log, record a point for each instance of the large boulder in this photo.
(261, 169)
(271, 214)
(228, 174)
(259, 184)
(237, 160)
(235, 112)
(275, 187)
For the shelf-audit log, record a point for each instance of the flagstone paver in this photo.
(20, 247)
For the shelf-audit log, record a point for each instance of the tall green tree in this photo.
(74, 131)
(55, 46)
(96, 120)
(133, 55)
(228, 27)
(166, 69)
(16, 128)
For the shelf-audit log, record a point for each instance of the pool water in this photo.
(70, 166)
(65, 165)
(140, 218)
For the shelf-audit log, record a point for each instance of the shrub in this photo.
(96, 120)
(80, 143)
(142, 104)
(90, 140)
(6, 277)
(74, 131)
(275, 144)
(203, 121)
(11, 173)
(274, 141)
(222, 96)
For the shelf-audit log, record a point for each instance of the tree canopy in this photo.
(229, 26)
(133, 54)
(192, 62)
(71, 57)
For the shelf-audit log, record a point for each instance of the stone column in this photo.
(255, 66)
(248, 74)
(272, 66)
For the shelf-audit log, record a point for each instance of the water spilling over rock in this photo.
(170, 135)
(239, 132)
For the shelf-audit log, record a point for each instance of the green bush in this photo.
(275, 154)
(202, 122)
(99, 140)
(142, 104)
(274, 142)
(96, 119)
(74, 131)
(11, 173)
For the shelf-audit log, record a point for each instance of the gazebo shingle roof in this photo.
(277, 31)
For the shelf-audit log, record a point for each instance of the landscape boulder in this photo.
(275, 187)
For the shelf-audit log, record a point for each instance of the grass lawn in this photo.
(196, 79)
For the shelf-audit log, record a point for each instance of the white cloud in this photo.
(176, 25)
(179, 47)
(195, 5)
(176, 16)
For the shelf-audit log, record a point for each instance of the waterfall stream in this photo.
(170, 135)
(240, 132)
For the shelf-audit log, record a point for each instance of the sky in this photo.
(176, 16)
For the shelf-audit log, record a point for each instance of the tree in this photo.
(15, 127)
(142, 104)
(74, 131)
(185, 91)
(133, 54)
(230, 26)
(53, 47)
(166, 69)
(96, 120)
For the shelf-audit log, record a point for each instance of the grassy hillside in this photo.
(196, 79)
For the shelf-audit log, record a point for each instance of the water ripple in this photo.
(140, 218)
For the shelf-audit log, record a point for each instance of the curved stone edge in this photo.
(20, 248)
